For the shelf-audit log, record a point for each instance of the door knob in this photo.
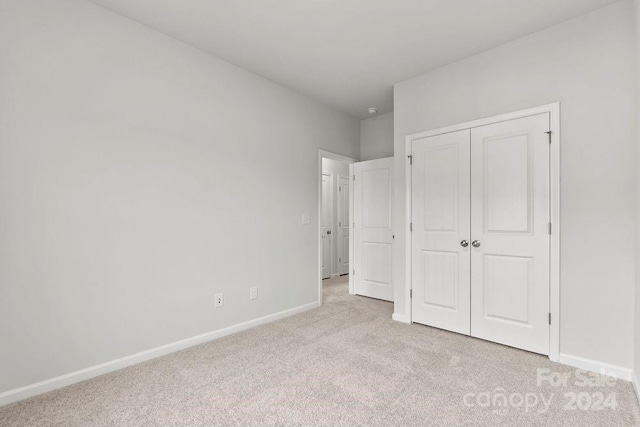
(464, 243)
(475, 243)
(328, 231)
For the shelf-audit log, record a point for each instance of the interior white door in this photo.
(343, 224)
(325, 225)
(510, 233)
(373, 232)
(441, 231)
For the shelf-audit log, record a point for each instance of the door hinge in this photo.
(410, 226)
(339, 259)
(339, 224)
(354, 177)
(354, 272)
(549, 133)
(339, 188)
(410, 293)
(549, 228)
(410, 159)
(549, 318)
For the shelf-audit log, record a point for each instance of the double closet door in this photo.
(480, 239)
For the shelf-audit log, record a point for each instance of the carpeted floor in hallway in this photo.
(346, 363)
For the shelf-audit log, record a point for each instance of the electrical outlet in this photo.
(219, 300)
(253, 292)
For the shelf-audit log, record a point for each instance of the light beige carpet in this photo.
(346, 363)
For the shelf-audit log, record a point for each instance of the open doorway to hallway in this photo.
(334, 217)
(334, 221)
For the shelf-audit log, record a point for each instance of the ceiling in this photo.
(347, 54)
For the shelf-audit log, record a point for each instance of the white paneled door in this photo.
(343, 224)
(325, 224)
(441, 230)
(510, 233)
(373, 232)
(480, 240)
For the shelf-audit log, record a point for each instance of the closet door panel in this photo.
(440, 237)
(510, 233)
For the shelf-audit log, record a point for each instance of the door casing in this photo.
(554, 192)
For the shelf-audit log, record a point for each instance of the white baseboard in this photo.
(400, 318)
(103, 368)
(596, 366)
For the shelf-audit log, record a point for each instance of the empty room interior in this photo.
(237, 212)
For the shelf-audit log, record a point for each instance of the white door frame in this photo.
(333, 156)
(554, 182)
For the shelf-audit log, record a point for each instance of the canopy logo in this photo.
(591, 395)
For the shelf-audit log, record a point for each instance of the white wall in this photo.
(139, 177)
(588, 65)
(376, 137)
(335, 168)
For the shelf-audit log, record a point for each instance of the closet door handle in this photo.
(475, 243)
(464, 243)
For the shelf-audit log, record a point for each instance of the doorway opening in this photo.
(335, 207)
